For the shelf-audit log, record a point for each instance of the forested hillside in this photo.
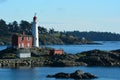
(96, 36)
(51, 36)
(46, 36)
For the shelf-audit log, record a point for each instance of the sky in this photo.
(65, 15)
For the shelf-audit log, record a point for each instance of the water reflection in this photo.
(40, 73)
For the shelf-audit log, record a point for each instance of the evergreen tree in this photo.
(25, 26)
(15, 27)
(3, 26)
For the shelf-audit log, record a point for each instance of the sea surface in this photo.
(105, 45)
(40, 73)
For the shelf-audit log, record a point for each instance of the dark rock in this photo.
(78, 74)
(100, 58)
(116, 51)
(60, 75)
(89, 75)
(58, 64)
(40, 57)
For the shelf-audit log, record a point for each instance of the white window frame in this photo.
(28, 38)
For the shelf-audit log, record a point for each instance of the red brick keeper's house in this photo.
(22, 41)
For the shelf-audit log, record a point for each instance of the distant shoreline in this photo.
(92, 43)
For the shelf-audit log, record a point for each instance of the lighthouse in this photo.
(35, 32)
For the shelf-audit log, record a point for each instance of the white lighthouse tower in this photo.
(35, 32)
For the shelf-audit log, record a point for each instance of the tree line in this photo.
(46, 36)
(14, 27)
(20, 27)
(96, 36)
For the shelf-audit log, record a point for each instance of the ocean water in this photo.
(40, 73)
(3, 47)
(106, 45)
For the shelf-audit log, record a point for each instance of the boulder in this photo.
(60, 75)
(78, 74)
(100, 58)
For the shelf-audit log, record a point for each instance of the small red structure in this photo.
(54, 52)
(22, 41)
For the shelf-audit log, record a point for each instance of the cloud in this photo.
(1, 1)
(60, 9)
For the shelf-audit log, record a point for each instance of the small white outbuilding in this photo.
(24, 53)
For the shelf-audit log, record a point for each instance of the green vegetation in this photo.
(41, 57)
(51, 36)
(9, 53)
(96, 36)
(46, 36)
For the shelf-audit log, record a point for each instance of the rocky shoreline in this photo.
(8, 58)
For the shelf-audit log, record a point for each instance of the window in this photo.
(28, 44)
(28, 38)
(22, 38)
(19, 45)
(22, 45)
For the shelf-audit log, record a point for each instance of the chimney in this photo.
(23, 33)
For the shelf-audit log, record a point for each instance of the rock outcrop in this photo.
(100, 58)
(78, 74)
(41, 57)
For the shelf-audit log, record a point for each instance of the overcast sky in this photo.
(68, 15)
